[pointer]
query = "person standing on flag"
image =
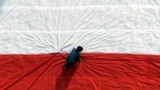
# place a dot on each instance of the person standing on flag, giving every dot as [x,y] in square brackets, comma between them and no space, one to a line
[73,57]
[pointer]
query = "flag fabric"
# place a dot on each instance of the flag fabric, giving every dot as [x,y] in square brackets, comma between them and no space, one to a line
[120,41]
[95,72]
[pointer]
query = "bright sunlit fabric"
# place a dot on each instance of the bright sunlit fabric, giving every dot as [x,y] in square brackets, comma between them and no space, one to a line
[120,40]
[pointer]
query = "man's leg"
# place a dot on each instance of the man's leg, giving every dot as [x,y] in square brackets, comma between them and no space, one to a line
[67,66]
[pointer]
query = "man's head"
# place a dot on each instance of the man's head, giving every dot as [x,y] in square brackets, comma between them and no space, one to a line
[79,49]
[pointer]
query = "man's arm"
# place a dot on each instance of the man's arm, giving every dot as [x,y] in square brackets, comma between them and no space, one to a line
[78,59]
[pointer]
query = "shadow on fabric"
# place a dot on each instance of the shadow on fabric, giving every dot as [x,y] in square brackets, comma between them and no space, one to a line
[1,4]
[65,78]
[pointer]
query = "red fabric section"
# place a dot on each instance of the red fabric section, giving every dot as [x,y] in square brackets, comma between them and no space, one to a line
[95,72]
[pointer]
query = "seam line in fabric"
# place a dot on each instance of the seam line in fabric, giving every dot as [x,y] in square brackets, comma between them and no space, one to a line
[82,7]
[39,31]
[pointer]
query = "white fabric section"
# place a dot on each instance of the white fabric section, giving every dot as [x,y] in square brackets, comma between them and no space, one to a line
[46,26]
[113,41]
[80,19]
[93,41]
[78,2]
[27,42]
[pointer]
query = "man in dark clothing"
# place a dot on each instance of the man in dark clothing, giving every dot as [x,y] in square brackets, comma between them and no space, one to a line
[73,57]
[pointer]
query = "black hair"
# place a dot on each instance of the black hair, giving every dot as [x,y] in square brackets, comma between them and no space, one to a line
[79,48]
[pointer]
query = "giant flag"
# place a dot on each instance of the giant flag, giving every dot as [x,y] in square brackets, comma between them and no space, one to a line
[121,41]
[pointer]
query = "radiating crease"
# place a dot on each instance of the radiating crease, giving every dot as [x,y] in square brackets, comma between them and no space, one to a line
[26,74]
[42,72]
[85,6]
[6,14]
[83,17]
[66,40]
